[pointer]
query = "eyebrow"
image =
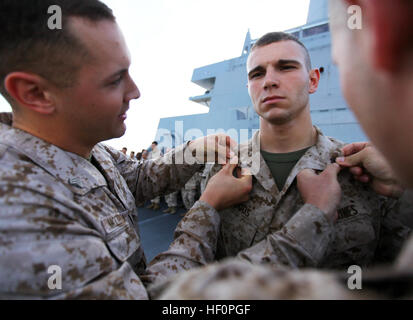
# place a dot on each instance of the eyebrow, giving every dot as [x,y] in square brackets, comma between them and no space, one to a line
[258,68]
[280,62]
[288,61]
[118,73]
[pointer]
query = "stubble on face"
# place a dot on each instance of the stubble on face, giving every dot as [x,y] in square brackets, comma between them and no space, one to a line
[94,105]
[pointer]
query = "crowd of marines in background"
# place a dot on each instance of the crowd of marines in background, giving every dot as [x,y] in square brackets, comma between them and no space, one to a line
[188,195]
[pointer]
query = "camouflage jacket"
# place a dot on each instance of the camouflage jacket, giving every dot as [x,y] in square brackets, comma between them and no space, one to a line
[276,227]
[68,226]
[239,279]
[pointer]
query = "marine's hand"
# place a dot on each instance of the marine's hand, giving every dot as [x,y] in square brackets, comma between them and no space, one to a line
[218,148]
[369,166]
[321,190]
[224,190]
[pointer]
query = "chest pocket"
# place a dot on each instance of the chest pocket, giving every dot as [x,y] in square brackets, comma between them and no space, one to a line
[237,234]
[120,235]
[355,242]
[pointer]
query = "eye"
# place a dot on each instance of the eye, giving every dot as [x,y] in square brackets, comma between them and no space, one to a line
[255,75]
[116,82]
[287,67]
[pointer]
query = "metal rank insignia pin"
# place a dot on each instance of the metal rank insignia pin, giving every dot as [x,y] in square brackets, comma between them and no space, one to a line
[75,182]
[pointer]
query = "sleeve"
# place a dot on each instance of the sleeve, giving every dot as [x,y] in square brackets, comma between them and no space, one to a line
[156,177]
[48,253]
[303,241]
[194,244]
[396,226]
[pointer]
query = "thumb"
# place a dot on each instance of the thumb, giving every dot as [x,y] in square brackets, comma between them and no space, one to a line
[306,173]
[332,169]
[246,177]
[245,174]
[229,167]
[351,161]
[354,147]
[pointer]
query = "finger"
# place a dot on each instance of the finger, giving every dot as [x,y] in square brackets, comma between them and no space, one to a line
[352,160]
[354,148]
[233,147]
[222,152]
[356,171]
[226,143]
[363,178]
[222,148]
[388,190]
[221,159]
[234,159]
[220,139]
[228,146]
[210,149]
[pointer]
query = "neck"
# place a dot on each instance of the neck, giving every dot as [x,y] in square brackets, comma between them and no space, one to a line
[294,135]
[54,134]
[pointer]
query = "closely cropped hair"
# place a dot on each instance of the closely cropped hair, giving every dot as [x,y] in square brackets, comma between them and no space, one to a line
[273,37]
[28,45]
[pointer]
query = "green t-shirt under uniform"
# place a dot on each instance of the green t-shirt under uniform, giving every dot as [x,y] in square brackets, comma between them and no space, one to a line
[281,164]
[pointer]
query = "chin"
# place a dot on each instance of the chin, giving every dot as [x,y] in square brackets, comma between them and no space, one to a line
[121,130]
[120,133]
[114,134]
[279,119]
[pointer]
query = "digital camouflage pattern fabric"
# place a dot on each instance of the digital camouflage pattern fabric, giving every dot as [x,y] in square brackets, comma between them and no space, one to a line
[276,227]
[59,209]
[239,279]
[190,191]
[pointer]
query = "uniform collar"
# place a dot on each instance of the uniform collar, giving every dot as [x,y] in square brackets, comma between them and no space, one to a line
[74,171]
[317,158]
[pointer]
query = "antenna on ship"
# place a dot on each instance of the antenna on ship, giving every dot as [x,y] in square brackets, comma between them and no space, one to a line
[317,11]
[247,44]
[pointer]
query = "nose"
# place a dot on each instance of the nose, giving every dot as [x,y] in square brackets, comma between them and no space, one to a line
[132,91]
[271,80]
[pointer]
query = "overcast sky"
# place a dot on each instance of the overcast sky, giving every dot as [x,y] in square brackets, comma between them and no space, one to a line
[168,39]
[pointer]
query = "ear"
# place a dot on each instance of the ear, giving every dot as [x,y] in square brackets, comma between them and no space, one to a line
[30,91]
[314,80]
[388,29]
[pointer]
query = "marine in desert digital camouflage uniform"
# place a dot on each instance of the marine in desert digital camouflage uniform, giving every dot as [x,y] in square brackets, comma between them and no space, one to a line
[61,209]
[68,222]
[172,202]
[190,191]
[275,226]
